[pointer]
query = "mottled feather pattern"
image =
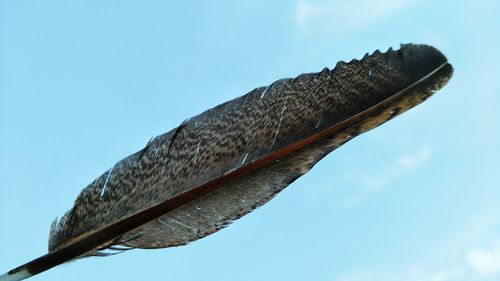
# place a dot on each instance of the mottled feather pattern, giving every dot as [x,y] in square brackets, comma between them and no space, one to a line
[353,97]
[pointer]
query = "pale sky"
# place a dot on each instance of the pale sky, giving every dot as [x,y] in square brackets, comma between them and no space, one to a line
[85,83]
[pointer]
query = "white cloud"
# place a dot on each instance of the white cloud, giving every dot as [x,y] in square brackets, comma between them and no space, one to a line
[401,165]
[352,201]
[485,262]
[457,258]
[345,15]
[416,159]
[446,274]
[404,163]
[411,274]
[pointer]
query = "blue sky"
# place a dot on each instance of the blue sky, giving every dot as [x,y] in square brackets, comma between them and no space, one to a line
[85,83]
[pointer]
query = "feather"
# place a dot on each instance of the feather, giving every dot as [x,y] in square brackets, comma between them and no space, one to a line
[220,165]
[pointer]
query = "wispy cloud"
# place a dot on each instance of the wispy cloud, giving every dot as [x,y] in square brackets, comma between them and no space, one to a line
[446,274]
[466,261]
[345,15]
[411,274]
[485,262]
[419,157]
[404,163]
[401,165]
[457,259]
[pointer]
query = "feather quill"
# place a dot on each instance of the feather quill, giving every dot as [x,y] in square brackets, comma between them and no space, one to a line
[220,165]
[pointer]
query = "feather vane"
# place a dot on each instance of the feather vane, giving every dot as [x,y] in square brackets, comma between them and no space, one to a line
[220,165]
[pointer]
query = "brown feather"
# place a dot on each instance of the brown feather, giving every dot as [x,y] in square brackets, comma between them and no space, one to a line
[222,164]
[237,133]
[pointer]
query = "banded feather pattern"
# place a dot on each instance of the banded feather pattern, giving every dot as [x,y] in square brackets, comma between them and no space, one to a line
[223,163]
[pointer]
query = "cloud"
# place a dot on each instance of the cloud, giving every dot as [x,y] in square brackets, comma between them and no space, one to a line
[441,275]
[352,201]
[345,15]
[401,165]
[404,163]
[485,262]
[411,274]
[447,274]
[457,258]
[416,159]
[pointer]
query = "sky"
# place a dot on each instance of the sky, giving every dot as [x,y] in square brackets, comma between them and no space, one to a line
[85,83]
